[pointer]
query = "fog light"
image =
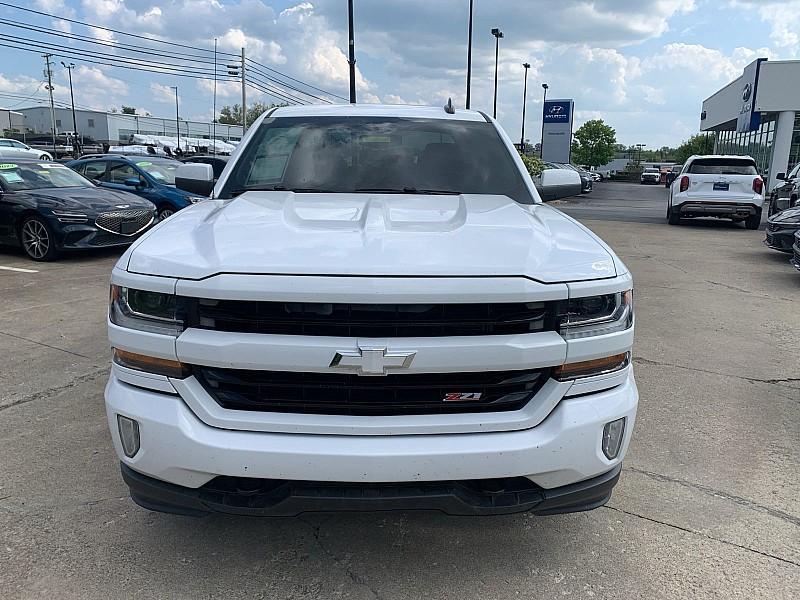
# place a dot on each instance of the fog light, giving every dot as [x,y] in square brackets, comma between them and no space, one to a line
[613,433]
[129,434]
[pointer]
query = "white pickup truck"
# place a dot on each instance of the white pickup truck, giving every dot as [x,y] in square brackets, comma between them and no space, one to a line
[374,311]
[726,187]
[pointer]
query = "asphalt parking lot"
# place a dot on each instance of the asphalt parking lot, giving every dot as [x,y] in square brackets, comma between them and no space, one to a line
[708,504]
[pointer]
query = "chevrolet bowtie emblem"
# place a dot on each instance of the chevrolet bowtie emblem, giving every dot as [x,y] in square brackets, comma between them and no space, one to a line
[372,360]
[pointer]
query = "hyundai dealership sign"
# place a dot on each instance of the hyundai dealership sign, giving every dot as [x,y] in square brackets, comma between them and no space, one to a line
[748,119]
[557,131]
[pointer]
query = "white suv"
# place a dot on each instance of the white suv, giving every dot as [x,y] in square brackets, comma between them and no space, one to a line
[374,311]
[727,187]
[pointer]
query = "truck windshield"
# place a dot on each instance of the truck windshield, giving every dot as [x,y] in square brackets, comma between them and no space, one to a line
[723,166]
[377,154]
[15,177]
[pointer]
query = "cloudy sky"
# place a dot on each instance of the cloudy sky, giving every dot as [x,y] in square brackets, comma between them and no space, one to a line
[643,67]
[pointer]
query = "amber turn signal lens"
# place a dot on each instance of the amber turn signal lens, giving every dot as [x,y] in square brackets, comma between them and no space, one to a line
[151,364]
[588,368]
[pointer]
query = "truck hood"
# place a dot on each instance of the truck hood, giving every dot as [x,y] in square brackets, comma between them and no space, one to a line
[374,235]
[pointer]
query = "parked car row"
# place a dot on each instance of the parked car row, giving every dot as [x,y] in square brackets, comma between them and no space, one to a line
[730,187]
[99,200]
[783,226]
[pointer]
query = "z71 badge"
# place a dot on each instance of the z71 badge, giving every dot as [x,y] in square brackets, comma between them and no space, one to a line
[461,397]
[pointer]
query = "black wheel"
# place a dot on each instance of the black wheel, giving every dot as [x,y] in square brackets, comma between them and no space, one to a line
[673,218]
[753,221]
[164,212]
[37,239]
[44,157]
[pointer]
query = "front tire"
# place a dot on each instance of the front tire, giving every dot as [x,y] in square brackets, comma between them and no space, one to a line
[37,239]
[45,157]
[165,212]
[753,221]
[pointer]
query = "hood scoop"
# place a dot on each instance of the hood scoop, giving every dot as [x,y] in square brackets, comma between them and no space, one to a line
[375,214]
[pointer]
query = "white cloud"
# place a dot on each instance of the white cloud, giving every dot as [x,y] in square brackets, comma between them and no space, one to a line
[163,94]
[783,18]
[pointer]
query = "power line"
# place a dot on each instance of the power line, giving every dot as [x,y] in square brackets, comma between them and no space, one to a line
[117,45]
[56,49]
[133,35]
[272,93]
[272,87]
[295,80]
[69,54]
[287,85]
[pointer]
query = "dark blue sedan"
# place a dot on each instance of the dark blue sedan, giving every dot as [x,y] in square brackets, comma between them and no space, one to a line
[150,177]
[46,207]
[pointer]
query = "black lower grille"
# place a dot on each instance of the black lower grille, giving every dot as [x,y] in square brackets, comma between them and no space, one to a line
[345,394]
[372,320]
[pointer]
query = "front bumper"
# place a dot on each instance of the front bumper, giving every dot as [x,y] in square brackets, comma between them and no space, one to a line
[287,498]
[178,448]
[781,240]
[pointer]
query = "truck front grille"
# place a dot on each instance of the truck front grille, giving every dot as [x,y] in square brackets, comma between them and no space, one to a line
[373,320]
[345,394]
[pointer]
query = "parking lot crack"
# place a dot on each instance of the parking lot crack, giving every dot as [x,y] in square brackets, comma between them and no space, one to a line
[352,575]
[656,363]
[778,514]
[84,378]
[701,534]
[19,337]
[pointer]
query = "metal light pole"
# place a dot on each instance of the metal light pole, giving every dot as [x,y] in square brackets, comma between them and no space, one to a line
[497,35]
[214,117]
[177,117]
[469,54]
[75,145]
[524,102]
[352,50]
[544,101]
[640,146]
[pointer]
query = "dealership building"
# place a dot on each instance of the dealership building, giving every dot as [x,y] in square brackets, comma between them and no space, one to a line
[114,128]
[758,114]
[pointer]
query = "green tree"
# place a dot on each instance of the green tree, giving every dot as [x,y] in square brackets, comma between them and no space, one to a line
[594,144]
[532,163]
[128,110]
[232,115]
[702,143]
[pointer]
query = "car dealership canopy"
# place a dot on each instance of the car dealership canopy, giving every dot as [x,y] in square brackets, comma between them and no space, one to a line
[758,114]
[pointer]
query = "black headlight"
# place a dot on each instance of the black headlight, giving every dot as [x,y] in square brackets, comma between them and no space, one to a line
[596,315]
[145,310]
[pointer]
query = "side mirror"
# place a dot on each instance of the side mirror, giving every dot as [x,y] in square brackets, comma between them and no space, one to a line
[781,176]
[197,178]
[132,182]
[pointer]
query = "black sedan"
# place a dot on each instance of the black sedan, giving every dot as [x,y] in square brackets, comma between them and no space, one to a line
[781,228]
[46,207]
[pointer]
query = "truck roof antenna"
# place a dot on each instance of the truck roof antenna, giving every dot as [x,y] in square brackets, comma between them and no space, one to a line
[449,108]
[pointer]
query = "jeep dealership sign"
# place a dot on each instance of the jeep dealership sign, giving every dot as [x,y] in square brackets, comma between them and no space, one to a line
[557,130]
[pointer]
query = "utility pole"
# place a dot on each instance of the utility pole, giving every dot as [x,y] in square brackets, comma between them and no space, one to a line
[177,117]
[76,151]
[469,53]
[497,35]
[52,109]
[352,50]
[524,102]
[244,97]
[214,117]
[236,71]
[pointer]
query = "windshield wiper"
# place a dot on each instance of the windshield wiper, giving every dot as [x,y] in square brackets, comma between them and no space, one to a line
[407,190]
